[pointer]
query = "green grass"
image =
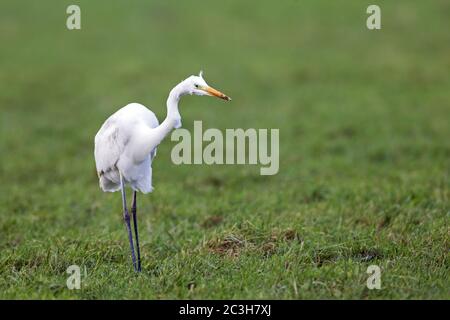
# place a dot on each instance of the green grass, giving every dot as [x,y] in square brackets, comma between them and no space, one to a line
[364,149]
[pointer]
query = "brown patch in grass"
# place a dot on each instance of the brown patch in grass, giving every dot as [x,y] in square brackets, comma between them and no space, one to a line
[291,235]
[212,221]
[367,255]
[285,235]
[213,181]
[322,258]
[230,246]
[233,245]
[269,248]
[384,223]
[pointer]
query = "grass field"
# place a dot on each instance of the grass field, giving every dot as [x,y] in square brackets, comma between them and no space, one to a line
[364,149]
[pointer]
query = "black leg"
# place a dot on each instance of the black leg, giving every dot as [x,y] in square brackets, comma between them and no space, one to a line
[126,217]
[136,233]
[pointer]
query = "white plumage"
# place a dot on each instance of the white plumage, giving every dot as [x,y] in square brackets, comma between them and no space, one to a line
[115,145]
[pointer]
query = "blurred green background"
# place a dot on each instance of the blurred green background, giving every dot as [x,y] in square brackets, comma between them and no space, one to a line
[364,149]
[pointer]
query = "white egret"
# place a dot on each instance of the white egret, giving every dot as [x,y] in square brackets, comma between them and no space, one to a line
[125,147]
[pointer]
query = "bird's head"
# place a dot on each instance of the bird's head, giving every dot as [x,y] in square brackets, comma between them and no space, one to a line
[197,85]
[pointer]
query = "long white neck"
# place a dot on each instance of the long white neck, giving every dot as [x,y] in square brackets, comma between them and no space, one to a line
[173,117]
[152,138]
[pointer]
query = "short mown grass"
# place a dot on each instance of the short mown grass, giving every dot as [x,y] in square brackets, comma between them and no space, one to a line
[364,150]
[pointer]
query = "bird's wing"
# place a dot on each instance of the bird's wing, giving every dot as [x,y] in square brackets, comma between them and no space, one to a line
[113,137]
[109,145]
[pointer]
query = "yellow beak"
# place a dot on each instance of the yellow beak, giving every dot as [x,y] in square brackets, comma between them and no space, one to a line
[216,93]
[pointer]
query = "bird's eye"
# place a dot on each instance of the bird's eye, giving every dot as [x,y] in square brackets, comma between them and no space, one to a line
[196,85]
